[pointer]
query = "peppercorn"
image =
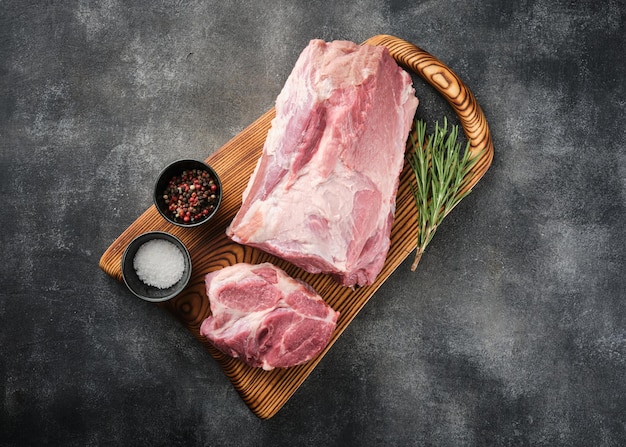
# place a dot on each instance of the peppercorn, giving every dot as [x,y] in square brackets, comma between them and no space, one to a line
[191,196]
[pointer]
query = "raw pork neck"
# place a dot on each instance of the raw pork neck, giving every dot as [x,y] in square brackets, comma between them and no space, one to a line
[323,193]
[266,318]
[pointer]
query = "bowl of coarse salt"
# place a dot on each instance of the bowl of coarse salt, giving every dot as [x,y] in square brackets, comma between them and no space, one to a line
[156,266]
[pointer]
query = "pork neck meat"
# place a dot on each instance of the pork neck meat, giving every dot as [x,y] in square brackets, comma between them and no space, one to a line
[323,193]
[265,317]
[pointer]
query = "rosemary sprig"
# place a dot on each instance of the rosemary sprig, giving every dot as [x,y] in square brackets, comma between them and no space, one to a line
[440,170]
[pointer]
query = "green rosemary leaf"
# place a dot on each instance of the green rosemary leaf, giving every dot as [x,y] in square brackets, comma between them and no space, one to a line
[441,170]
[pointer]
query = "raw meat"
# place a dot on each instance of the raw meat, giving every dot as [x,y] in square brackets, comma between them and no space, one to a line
[265,317]
[323,193]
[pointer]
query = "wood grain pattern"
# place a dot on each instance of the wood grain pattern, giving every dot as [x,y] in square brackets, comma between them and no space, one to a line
[265,392]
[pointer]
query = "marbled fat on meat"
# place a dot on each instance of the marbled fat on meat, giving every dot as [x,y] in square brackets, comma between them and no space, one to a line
[265,317]
[323,193]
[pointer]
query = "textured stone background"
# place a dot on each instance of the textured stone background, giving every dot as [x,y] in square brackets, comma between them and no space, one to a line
[511,332]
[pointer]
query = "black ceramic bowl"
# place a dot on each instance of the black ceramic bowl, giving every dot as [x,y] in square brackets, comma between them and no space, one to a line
[143,290]
[185,174]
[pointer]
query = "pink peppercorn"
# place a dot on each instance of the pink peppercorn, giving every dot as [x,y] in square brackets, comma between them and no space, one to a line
[191,196]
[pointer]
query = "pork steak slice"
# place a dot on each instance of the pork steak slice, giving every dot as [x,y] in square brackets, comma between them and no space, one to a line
[265,317]
[323,193]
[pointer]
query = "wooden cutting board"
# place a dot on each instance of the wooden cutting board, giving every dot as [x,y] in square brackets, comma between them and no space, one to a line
[265,392]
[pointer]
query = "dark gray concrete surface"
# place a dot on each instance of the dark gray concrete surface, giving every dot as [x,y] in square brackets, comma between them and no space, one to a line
[511,332]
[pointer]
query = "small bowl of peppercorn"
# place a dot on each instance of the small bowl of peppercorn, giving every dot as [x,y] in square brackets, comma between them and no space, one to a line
[188,193]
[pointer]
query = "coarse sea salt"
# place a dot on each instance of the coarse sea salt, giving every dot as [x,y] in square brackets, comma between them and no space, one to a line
[159,263]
